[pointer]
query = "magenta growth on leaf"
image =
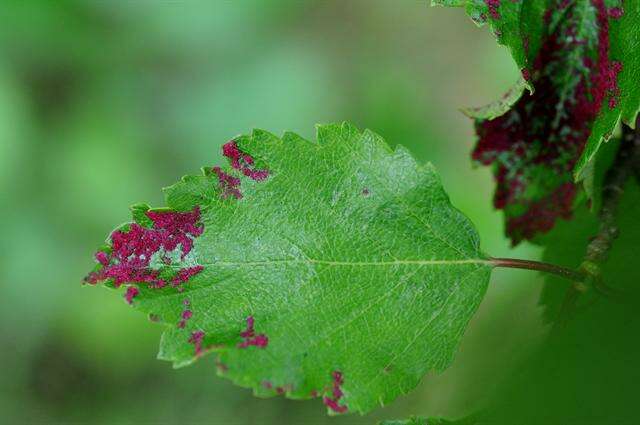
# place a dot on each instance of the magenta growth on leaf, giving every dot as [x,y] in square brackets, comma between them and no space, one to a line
[196,339]
[243,162]
[616,12]
[493,6]
[186,315]
[132,249]
[536,144]
[131,293]
[250,338]
[102,258]
[336,394]
[185,274]
[229,185]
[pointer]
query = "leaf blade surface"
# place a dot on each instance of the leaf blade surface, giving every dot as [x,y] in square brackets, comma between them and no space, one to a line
[342,272]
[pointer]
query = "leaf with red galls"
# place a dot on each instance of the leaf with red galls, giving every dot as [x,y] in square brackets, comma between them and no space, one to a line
[575,60]
[295,249]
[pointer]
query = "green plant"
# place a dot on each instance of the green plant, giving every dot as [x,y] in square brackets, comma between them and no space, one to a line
[339,269]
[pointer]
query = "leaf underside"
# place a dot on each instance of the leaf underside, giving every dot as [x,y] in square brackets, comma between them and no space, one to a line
[335,269]
[580,59]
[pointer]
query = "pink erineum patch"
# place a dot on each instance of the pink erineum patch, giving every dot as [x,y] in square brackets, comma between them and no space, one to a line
[336,394]
[131,293]
[229,185]
[132,249]
[493,6]
[186,315]
[535,146]
[185,274]
[196,339]
[243,162]
[250,338]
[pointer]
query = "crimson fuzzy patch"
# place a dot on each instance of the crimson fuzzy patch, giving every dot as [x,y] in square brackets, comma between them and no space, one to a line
[535,145]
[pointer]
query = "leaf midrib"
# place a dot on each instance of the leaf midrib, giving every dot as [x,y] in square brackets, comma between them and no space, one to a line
[337,263]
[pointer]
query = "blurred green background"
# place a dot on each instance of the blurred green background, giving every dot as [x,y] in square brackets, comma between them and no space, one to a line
[104,102]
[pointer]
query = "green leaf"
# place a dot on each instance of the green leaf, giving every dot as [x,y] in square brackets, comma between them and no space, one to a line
[336,269]
[475,419]
[595,171]
[624,33]
[580,57]
[498,107]
[412,421]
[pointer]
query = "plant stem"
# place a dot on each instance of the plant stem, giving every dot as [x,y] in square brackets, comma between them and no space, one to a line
[626,164]
[564,272]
